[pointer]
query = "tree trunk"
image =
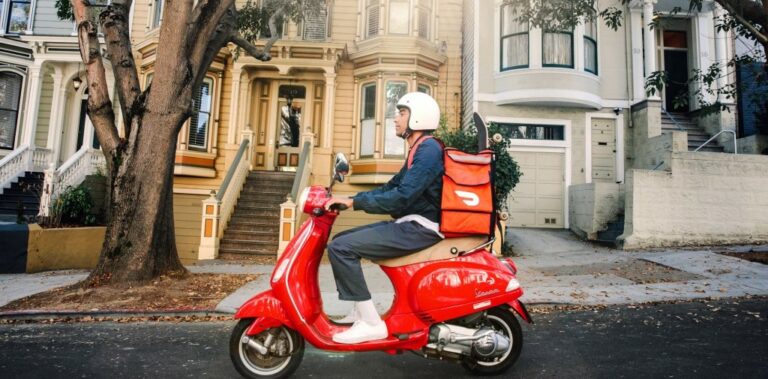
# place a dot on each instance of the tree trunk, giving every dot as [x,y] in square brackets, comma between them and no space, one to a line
[140,240]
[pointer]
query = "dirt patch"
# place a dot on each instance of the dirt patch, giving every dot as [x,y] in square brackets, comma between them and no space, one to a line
[638,271]
[753,256]
[195,292]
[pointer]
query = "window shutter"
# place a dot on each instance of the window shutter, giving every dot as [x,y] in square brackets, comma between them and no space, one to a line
[315,26]
[373,18]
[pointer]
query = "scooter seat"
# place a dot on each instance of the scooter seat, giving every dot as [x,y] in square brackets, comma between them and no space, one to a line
[436,252]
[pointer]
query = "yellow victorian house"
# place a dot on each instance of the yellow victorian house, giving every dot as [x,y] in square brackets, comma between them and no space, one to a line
[264,130]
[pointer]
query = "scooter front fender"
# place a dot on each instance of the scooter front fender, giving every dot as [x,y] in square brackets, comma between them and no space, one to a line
[266,309]
[520,309]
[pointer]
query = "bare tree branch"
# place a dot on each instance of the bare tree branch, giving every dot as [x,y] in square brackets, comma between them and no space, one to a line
[212,23]
[99,105]
[251,49]
[116,29]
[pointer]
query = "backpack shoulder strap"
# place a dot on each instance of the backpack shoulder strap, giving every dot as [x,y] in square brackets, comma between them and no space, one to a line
[412,152]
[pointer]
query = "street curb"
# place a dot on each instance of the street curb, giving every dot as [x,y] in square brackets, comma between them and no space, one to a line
[42,315]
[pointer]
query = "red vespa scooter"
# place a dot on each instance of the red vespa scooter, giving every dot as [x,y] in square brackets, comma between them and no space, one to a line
[452,301]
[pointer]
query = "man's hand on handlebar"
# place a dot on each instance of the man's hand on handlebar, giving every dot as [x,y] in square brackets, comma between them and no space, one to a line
[338,203]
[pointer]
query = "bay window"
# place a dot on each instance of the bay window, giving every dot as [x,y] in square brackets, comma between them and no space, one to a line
[157,17]
[199,125]
[590,46]
[399,16]
[371,18]
[557,49]
[514,40]
[377,137]
[394,146]
[425,15]
[368,120]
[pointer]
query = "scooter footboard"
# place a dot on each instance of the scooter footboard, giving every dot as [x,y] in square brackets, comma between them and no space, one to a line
[266,309]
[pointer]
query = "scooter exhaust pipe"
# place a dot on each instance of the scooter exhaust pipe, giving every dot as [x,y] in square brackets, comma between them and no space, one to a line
[254,345]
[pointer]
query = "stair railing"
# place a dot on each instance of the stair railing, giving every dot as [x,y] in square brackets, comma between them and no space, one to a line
[735,148]
[86,161]
[664,109]
[218,208]
[23,159]
[289,215]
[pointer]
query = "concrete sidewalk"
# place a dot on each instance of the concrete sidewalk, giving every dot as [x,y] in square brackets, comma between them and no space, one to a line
[555,268]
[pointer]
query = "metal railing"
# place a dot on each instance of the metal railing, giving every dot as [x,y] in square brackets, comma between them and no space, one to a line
[735,148]
[663,109]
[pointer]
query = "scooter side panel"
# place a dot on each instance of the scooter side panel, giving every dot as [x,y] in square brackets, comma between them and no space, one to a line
[451,289]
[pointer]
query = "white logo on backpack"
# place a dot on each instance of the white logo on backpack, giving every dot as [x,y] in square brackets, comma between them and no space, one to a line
[469,198]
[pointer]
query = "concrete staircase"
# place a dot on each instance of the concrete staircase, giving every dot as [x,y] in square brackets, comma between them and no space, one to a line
[254,227]
[613,230]
[25,193]
[696,135]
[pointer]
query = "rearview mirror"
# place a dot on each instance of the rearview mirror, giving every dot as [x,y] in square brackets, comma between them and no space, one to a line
[340,167]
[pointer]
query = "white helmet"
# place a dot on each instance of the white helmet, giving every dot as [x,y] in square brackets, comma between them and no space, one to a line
[425,113]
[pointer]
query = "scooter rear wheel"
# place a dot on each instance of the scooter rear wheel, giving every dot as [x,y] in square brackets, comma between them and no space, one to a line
[283,358]
[503,321]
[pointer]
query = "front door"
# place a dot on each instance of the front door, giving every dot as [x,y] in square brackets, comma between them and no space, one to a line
[288,126]
[673,54]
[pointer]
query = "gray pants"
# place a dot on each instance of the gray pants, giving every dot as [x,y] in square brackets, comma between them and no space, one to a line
[381,240]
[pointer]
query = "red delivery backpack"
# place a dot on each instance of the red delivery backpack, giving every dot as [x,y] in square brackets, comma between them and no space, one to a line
[467,206]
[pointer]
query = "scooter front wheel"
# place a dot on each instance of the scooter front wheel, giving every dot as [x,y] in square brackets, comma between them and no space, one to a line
[284,351]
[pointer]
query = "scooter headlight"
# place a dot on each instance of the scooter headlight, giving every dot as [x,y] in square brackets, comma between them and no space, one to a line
[303,196]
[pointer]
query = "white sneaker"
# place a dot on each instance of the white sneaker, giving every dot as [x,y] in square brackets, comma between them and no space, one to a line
[349,319]
[362,331]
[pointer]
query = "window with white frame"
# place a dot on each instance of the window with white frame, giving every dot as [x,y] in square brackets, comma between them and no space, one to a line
[371,18]
[514,40]
[10,96]
[532,131]
[423,88]
[590,45]
[394,146]
[399,16]
[199,124]
[17,16]
[557,49]
[425,15]
[367,120]
[316,27]
[157,18]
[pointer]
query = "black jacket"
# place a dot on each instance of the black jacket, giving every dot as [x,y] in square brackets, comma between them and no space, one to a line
[412,191]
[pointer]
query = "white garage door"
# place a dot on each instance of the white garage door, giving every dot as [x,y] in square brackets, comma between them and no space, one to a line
[537,201]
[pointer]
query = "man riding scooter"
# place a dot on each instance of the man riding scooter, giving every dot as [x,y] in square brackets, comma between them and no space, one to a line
[412,198]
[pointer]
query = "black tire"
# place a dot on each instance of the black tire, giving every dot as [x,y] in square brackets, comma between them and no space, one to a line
[251,364]
[502,320]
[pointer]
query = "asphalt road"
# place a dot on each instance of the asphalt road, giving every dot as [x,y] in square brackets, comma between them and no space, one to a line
[690,340]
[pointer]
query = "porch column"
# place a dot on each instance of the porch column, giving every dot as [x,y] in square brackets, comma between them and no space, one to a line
[721,53]
[650,41]
[57,114]
[234,117]
[33,104]
[638,79]
[328,110]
